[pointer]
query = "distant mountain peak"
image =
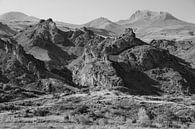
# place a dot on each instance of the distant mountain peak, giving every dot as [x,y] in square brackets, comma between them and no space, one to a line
[15,13]
[106,24]
[147,14]
[17,16]
[101,20]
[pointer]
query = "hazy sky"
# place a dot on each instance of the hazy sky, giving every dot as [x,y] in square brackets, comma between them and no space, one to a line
[82,11]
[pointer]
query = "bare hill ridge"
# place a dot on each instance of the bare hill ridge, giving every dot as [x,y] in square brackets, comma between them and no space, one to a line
[148,25]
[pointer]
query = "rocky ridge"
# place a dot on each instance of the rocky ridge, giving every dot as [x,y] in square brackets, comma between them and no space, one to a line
[83,60]
[132,64]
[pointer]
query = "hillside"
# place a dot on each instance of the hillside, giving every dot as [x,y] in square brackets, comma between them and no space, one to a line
[17,20]
[17,16]
[6,30]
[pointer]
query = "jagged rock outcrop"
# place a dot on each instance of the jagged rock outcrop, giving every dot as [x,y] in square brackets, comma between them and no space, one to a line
[45,42]
[119,44]
[134,65]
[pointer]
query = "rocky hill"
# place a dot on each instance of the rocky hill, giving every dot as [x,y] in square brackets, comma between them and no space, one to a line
[129,64]
[43,41]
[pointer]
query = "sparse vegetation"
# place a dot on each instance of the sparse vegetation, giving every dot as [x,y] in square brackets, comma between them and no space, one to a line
[91,78]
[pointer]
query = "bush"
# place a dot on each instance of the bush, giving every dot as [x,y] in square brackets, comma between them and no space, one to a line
[6,87]
[143,118]
[41,112]
[166,119]
[8,107]
[193,97]
[66,117]
[81,110]
[81,119]
[102,122]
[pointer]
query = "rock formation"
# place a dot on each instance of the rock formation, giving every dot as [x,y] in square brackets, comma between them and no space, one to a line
[129,63]
[85,59]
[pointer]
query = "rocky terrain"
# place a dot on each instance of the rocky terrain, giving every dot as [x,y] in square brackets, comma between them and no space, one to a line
[99,75]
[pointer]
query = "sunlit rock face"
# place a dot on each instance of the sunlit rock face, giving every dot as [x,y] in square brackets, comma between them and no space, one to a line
[134,65]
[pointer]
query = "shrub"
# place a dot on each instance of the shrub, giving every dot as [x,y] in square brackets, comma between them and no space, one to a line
[81,110]
[9,107]
[166,119]
[66,118]
[102,122]
[193,97]
[81,119]
[6,87]
[143,118]
[41,112]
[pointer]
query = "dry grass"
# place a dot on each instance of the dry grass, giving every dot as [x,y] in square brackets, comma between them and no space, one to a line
[99,111]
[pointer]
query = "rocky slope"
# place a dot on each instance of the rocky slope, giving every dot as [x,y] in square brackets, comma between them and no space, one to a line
[6,30]
[129,64]
[24,76]
[43,41]
[182,49]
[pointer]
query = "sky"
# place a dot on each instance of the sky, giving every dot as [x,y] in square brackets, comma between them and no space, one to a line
[82,11]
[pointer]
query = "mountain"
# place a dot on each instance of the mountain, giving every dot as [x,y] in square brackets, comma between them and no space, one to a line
[17,16]
[92,61]
[17,20]
[148,25]
[158,25]
[104,23]
[149,17]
